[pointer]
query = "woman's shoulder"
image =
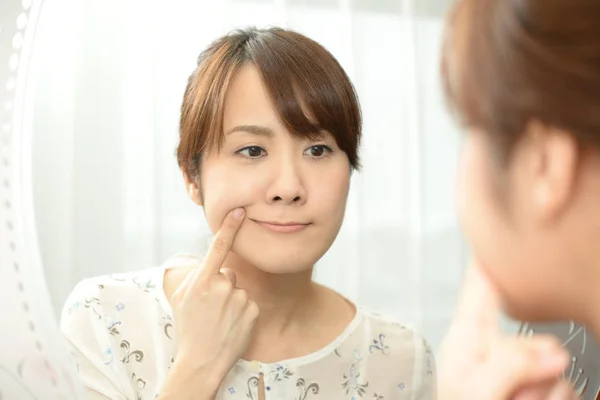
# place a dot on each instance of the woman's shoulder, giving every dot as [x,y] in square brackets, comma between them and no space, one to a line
[105,287]
[116,290]
[394,329]
[95,301]
[141,281]
[396,351]
[376,318]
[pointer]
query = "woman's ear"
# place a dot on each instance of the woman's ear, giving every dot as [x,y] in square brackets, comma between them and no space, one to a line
[555,158]
[191,185]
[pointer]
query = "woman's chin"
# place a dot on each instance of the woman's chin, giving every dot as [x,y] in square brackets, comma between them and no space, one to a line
[283,267]
[532,311]
[279,257]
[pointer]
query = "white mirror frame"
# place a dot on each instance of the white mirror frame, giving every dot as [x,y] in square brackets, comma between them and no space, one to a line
[33,362]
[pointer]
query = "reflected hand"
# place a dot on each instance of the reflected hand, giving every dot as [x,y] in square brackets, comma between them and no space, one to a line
[478,362]
[554,389]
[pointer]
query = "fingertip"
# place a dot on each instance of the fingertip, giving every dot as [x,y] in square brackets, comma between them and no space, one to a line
[253,308]
[238,213]
[479,302]
[555,360]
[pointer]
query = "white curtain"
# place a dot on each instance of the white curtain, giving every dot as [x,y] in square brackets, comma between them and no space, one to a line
[108,193]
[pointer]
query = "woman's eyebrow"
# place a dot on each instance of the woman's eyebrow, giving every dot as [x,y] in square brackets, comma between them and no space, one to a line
[253,129]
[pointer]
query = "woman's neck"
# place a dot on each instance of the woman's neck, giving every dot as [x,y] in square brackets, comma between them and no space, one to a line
[285,300]
[593,321]
[297,316]
[589,301]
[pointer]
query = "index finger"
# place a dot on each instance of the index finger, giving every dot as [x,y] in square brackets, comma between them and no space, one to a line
[221,245]
[479,305]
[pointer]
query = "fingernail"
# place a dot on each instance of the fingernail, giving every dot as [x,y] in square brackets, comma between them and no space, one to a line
[558,360]
[238,213]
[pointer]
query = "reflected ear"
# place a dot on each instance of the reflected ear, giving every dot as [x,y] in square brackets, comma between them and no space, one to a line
[556,170]
[193,190]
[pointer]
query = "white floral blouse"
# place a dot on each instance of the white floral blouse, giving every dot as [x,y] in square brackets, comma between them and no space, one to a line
[119,329]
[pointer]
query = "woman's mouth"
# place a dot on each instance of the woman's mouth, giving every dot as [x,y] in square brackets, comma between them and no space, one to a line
[282,227]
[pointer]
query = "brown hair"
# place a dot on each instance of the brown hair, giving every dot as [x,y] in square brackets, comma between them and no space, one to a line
[309,89]
[513,61]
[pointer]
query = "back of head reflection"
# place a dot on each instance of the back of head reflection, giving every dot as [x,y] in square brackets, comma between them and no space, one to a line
[523,76]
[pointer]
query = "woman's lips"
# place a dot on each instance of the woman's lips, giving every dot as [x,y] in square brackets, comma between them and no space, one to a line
[282,227]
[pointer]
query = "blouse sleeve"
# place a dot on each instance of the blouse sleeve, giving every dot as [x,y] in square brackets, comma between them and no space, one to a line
[87,333]
[424,373]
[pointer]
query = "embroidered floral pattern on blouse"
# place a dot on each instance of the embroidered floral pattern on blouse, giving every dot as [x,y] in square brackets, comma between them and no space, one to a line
[305,389]
[352,382]
[166,323]
[137,354]
[378,345]
[123,317]
[109,356]
[252,383]
[281,373]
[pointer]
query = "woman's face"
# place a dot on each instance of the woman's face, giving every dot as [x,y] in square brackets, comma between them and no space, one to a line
[529,222]
[294,190]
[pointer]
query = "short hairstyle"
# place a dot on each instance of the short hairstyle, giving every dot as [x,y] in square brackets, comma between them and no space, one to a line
[299,74]
[508,62]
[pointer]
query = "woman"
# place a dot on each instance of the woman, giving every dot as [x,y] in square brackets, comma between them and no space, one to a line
[269,134]
[524,77]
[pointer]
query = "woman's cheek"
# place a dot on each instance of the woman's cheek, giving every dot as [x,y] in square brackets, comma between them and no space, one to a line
[223,194]
[462,188]
[473,199]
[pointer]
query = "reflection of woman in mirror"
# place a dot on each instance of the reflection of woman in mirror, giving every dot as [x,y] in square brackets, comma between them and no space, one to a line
[269,134]
[524,76]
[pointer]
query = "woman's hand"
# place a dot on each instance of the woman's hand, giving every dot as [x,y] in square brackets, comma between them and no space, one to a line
[213,320]
[478,362]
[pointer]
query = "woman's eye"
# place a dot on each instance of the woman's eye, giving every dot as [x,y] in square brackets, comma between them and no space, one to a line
[252,151]
[318,151]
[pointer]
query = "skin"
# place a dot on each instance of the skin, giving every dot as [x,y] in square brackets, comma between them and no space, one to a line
[533,226]
[538,241]
[533,223]
[205,356]
[290,181]
[256,263]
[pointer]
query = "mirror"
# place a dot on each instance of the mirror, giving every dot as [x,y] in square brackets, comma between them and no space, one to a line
[89,103]
[107,100]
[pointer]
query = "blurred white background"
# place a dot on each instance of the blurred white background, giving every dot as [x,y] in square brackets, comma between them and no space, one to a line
[109,77]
